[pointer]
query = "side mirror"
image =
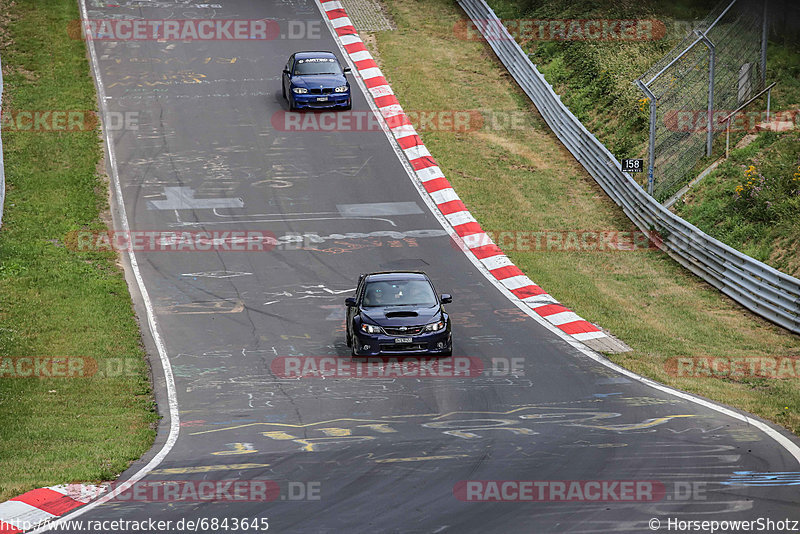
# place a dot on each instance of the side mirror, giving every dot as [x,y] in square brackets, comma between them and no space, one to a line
[446,298]
[346,70]
[350,302]
[286,71]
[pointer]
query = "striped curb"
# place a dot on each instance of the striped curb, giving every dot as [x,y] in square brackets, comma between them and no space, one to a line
[471,236]
[43,505]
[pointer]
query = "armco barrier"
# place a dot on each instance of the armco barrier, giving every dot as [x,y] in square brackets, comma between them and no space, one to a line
[756,286]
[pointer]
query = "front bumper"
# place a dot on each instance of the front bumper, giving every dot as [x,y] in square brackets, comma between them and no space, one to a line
[333,100]
[380,344]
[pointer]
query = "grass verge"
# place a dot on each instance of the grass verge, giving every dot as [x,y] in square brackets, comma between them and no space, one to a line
[55,302]
[523,179]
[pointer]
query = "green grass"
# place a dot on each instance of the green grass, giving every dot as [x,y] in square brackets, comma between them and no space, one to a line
[754,210]
[525,180]
[55,302]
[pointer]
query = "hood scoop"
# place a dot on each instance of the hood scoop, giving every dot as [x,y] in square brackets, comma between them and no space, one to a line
[392,314]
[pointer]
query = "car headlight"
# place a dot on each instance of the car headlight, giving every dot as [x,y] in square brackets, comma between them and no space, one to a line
[434,327]
[341,89]
[370,328]
[299,90]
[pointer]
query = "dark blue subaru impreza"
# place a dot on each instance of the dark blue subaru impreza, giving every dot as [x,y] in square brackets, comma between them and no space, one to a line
[315,80]
[398,312]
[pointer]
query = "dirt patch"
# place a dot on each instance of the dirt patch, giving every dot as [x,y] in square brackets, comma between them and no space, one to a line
[785,254]
[5,21]
[372,45]
[518,149]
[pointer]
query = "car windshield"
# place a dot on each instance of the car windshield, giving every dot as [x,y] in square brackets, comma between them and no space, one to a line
[316,65]
[399,293]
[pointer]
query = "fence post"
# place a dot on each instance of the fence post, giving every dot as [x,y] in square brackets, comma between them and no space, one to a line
[764,36]
[727,137]
[651,156]
[711,61]
[769,98]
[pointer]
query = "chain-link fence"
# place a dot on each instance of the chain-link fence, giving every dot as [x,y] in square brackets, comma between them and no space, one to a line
[717,67]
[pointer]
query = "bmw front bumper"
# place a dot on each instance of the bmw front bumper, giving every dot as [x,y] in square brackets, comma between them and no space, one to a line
[331,100]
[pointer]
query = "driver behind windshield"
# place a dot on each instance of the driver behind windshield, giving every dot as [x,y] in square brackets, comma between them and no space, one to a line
[311,66]
[405,293]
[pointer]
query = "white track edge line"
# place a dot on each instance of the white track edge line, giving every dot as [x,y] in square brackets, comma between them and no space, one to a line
[172,399]
[787,444]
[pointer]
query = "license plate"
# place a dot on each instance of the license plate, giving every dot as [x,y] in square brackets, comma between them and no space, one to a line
[322,99]
[402,340]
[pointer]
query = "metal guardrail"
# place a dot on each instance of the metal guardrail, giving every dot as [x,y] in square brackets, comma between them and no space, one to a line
[2,169]
[756,286]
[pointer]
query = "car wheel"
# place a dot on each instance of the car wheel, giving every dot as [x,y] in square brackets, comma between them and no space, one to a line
[349,106]
[353,344]
[283,90]
[448,352]
[349,340]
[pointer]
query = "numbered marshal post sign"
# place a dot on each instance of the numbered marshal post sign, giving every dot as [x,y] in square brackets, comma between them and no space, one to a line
[632,165]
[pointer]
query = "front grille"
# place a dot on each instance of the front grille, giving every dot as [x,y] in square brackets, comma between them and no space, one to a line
[409,330]
[323,91]
[403,347]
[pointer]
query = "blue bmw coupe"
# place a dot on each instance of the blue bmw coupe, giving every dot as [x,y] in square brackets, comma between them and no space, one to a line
[315,80]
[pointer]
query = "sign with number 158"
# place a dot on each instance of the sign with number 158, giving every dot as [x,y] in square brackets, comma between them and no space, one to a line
[632,165]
